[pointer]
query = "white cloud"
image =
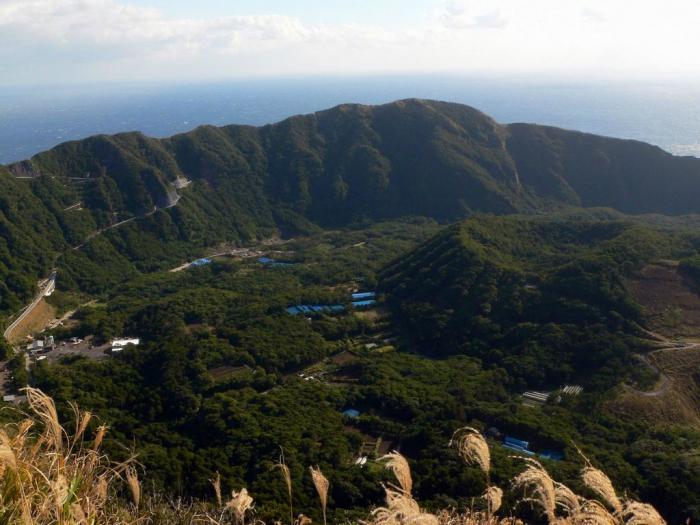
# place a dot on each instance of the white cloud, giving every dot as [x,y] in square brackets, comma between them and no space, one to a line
[54,40]
[463,15]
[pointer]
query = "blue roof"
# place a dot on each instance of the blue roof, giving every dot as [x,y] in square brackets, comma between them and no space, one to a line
[519,449]
[201,262]
[516,442]
[364,295]
[362,304]
[315,308]
[351,412]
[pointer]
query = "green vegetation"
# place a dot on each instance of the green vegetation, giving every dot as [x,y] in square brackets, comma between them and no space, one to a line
[468,316]
[542,298]
[58,474]
[349,165]
[216,386]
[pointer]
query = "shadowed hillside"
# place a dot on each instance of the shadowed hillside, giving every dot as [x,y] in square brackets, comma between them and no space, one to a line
[128,203]
[543,298]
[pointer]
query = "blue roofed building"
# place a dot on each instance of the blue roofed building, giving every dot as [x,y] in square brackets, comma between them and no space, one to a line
[364,304]
[518,445]
[363,295]
[201,262]
[351,413]
[311,309]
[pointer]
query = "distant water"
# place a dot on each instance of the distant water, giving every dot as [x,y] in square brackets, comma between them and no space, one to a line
[35,119]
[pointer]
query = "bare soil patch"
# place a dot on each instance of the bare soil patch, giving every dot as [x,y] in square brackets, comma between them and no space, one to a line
[671,308]
[669,302]
[677,400]
[35,322]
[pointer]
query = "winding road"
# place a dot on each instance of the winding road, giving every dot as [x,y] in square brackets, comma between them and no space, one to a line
[664,381]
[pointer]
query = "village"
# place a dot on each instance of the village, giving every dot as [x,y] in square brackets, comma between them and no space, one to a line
[339,370]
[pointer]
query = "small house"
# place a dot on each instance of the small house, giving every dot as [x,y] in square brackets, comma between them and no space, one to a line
[119,344]
[518,445]
[35,346]
[359,296]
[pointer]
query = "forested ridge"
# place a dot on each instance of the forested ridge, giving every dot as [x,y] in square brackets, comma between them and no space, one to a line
[492,276]
[333,168]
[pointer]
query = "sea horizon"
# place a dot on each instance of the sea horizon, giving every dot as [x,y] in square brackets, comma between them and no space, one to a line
[34,119]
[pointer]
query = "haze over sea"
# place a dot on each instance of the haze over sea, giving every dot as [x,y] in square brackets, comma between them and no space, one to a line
[37,118]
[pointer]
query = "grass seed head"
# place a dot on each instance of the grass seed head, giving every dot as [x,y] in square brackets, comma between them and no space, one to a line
[132,480]
[566,500]
[216,483]
[472,447]
[592,512]
[44,408]
[636,513]
[321,484]
[402,471]
[599,483]
[494,498]
[538,487]
[240,503]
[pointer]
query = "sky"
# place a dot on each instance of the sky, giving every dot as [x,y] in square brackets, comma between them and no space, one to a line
[79,41]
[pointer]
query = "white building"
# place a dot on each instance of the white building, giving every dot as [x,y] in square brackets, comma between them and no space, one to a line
[119,344]
[35,346]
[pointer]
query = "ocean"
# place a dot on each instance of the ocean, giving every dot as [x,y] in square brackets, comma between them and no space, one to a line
[37,118]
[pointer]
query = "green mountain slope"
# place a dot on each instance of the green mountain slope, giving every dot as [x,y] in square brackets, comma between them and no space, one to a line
[542,298]
[30,237]
[171,198]
[589,170]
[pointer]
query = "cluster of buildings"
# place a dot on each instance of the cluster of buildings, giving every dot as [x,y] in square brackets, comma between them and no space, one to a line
[534,398]
[523,447]
[201,262]
[359,300]
[364,299]
[40,346]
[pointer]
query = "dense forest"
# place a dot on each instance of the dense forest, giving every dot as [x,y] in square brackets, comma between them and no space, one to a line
[527,290]
[473,316]
[542,298]
[174,197]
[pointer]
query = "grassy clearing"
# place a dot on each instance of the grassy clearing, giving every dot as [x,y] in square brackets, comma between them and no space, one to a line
[35,322]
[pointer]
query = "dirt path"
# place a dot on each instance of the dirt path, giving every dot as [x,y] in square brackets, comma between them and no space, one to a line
[245,252]
[664,382]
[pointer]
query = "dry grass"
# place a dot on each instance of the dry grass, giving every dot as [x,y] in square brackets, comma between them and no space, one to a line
[50,477]
[240,503]
[472,447]
[402,471]
[599,483]
[321,484]
[538,488]
[35,322]
[676,402]
[287,476]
